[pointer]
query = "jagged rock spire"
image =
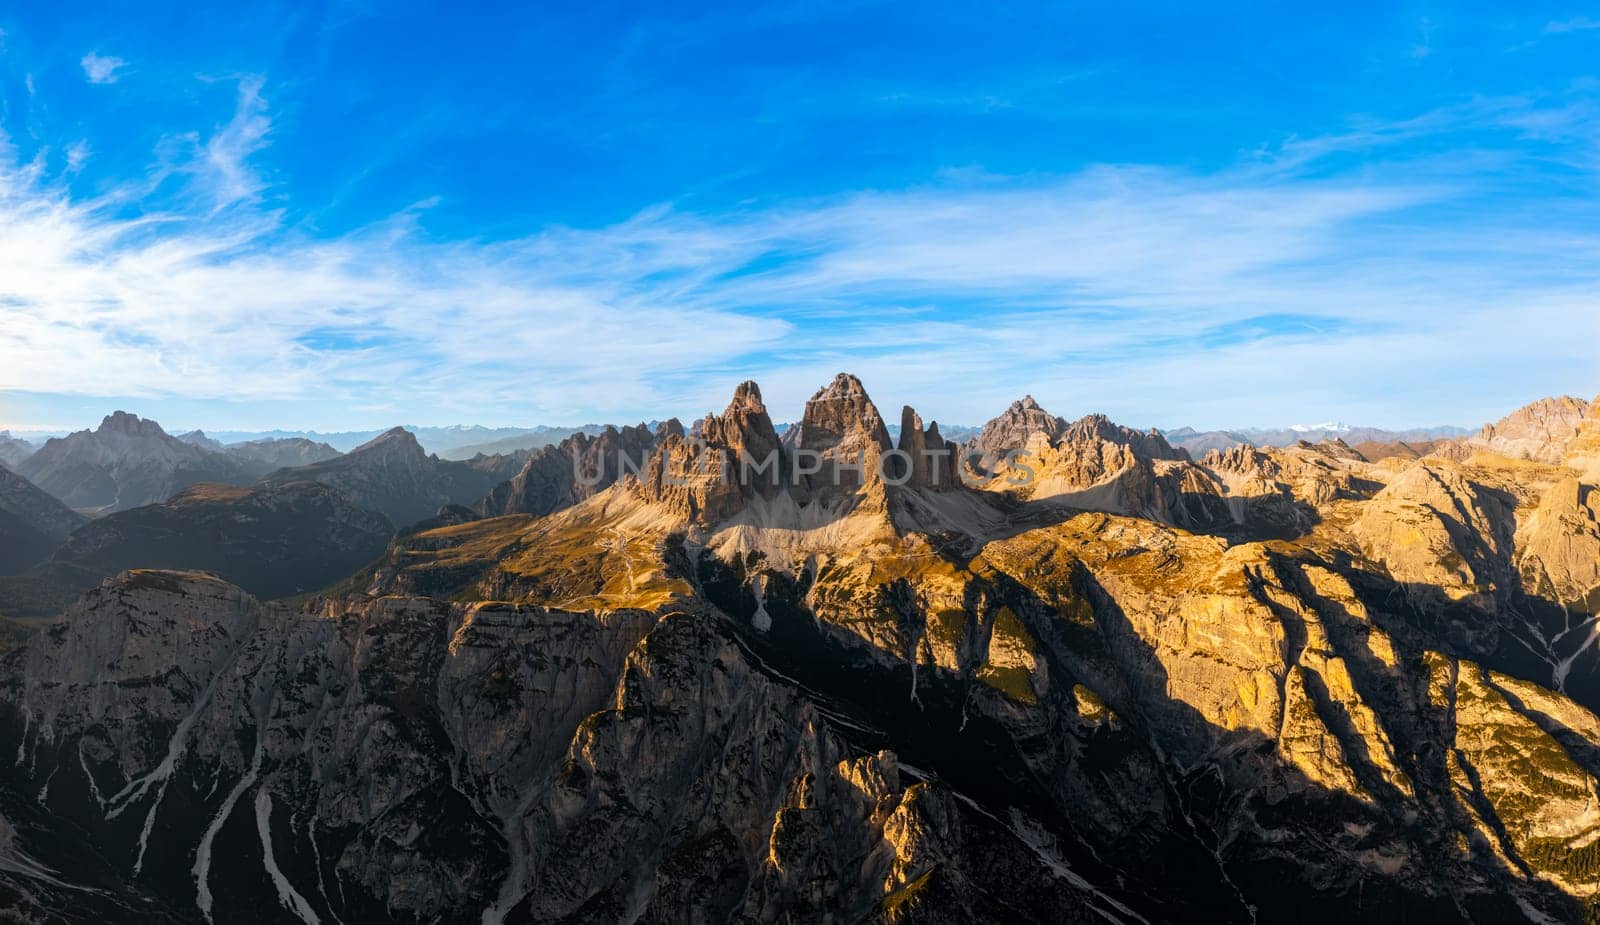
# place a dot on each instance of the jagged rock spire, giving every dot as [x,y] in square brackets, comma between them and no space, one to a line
[841,428]
[931,458]
[836,411]
[745,426]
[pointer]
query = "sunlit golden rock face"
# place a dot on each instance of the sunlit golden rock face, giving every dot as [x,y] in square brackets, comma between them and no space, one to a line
[1439,533]
[1319,666]
[1583,450]
[1154,689]
[1558,545]
[1539,432]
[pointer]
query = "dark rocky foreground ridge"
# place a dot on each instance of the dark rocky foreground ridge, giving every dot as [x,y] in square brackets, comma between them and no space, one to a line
[1257,686]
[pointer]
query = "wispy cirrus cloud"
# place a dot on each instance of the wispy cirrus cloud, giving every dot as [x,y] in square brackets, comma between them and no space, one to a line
[102,69]
[1281,281]
[1575,24]
[225,167]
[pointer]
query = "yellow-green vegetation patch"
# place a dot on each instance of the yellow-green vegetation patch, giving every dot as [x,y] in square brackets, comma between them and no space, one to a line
[1557,856]
[1090,705]
[1015,683]
[948,627]
[1013,658]
[897,901]
[569,566]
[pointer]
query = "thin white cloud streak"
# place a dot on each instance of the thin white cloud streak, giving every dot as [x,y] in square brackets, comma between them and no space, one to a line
[225,169]
[1103,290]
[102,69]
[1576,24]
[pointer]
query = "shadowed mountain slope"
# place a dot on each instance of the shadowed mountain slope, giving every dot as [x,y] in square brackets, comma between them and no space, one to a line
[392,475]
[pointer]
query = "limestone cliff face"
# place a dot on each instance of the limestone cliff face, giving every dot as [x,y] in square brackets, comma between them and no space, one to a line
[1440,534]
[745,428]
[842,427]
[1092,464]
[1539,431]
[1582,452]
[405,759]
[926,460]
[706,477]
[1558,545]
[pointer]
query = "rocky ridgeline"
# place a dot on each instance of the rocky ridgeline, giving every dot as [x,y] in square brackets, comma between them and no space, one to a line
[392,475]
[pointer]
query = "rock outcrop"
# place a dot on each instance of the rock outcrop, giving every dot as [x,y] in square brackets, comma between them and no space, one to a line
[927,460]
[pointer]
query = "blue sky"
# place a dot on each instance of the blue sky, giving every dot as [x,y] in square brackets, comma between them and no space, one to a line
[344,215]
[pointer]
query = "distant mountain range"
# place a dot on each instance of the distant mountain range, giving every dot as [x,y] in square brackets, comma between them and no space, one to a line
[531,439]
[129,462]
[1203,441]
[126,462]
[456,441]
[464,441]
[393,475]
[13,450]
[263,456]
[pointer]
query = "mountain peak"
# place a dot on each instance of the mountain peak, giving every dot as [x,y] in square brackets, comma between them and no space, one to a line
[744,425]
[198,438]
[1539,431]
[1022,421]
[839,409]
[747,394]
[396,438]
[844,385]
[123,422]
[1098,428]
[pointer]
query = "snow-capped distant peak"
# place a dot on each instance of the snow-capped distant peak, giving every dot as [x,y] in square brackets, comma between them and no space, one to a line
[1334,427]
